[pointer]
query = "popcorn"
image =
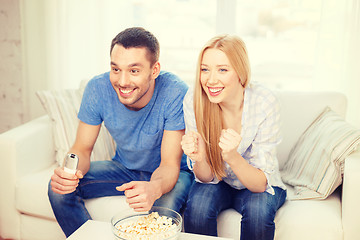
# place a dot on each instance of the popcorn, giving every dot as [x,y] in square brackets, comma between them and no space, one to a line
[149,227]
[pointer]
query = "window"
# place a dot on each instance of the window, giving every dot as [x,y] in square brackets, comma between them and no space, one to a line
[293,45]
[281,36]
[182,28]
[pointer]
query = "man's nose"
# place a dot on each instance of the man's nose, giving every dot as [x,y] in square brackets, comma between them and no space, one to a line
[123,79]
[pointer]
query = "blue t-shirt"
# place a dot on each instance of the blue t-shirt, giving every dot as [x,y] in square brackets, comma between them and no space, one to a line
[137,134]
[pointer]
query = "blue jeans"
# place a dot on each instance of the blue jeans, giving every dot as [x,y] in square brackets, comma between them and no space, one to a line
[258,210]
[100,181]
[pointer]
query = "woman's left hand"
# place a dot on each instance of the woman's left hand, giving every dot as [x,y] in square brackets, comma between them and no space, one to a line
[229,142]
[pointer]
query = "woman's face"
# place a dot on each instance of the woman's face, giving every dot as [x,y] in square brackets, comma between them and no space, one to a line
[218,78]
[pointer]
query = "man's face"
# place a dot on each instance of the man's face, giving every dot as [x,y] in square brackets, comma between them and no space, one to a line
[132,76]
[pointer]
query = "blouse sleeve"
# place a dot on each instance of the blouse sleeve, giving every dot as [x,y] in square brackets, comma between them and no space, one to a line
[190,125]
[263,149]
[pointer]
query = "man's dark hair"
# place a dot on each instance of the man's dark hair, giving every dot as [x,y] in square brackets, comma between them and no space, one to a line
[138,37]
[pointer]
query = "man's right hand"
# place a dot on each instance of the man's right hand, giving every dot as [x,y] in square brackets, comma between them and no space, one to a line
[63,182]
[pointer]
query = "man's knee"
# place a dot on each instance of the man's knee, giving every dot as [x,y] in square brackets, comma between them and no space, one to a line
[51,193]
[176,198]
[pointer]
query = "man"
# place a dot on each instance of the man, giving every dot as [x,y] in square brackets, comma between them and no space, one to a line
[142,109]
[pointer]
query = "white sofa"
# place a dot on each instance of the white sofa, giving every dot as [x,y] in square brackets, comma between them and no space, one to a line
[28,159]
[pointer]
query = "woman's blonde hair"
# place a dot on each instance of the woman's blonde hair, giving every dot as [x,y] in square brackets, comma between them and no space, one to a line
[208,115]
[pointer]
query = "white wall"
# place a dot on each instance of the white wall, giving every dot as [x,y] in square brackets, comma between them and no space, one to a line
[12,103]
[23,63]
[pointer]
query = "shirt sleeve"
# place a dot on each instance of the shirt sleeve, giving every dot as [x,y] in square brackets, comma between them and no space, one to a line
[174,109]
[190,123]
[89,111]
[263,151]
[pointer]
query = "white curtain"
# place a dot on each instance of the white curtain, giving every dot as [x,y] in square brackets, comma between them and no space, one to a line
[73,40]
[78,37]
[338,52]
[352,61]
[79,33]
[67,41]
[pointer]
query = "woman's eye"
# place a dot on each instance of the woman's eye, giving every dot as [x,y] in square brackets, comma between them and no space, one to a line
[223,70]
[204,69]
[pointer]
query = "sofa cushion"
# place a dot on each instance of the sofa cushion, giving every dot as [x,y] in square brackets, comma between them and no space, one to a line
[31,194]
[32,199]
[309,219]
[35,228]
[298,111]
[316,162]
[295,220]
[62,107]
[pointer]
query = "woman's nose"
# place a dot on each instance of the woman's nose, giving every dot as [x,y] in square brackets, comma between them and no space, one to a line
[212,78]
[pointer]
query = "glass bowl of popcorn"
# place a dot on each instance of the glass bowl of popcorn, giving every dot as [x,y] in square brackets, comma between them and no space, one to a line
[158,223]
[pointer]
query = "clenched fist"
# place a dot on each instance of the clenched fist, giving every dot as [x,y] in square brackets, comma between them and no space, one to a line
[194,146]
[229,142]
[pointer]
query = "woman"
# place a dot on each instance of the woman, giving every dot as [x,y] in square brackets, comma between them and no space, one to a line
[232,130]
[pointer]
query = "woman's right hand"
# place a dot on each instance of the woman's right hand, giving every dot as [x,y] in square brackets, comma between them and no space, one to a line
[194,146]
[63,182]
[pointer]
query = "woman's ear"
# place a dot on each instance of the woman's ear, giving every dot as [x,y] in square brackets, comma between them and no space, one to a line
[242,83]
[156,70]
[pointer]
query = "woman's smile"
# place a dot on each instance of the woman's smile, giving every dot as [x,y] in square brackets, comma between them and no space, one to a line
[215,91]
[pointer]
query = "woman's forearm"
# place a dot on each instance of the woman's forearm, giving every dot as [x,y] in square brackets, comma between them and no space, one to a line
[203,171]
[252,178]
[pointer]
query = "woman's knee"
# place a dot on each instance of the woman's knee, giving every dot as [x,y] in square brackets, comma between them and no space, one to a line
[198,215]
[263,205]
[205,201]
[259,213]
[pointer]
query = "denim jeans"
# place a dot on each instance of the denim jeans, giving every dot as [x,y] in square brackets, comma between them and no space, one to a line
[258,210]
[101,180]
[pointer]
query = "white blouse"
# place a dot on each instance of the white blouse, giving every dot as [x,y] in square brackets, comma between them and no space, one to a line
[260,134]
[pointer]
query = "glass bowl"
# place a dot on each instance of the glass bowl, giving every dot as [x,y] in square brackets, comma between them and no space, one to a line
[129,225]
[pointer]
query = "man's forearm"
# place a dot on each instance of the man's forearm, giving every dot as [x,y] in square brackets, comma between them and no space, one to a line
[84,160]
[164,179]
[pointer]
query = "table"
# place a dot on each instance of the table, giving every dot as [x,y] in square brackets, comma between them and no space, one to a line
[95,230]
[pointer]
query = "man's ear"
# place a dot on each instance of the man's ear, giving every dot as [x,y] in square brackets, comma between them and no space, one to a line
[156,70]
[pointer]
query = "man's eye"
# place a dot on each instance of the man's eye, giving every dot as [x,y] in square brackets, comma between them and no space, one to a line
[134,71]
[115,69]
[204,69]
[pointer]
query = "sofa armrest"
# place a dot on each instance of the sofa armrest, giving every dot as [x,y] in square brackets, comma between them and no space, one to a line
[351,197]
[25,149]
[30,146]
